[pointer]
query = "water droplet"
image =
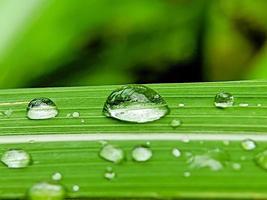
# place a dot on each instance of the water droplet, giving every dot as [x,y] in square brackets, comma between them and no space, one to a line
[75,188]
[236,166]
[16,158]
[243,105]
[82,120]
[248,144]
[112,153]
[176,152]
[135,103]
[243,158]
[109,174]
[57,176]
[142,153]
[261,159]
[181,105]
[224,100]
[46,191]
[75,114]
[8,112]
[185,139]
[213,159]
[175,123]
[226,142]
[187,174]
[68,115]
[41,108]
[259,105]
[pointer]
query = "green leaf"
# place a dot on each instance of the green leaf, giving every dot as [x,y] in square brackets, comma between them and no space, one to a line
[71,146]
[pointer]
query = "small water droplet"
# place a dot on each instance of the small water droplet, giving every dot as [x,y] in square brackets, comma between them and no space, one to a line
[75,188]
[82,120]
[112,153]
[16,158]
[135,103]
[142,153]
[46,191]
[243,105]
[224,100]
[41,108]
[175,123]
[226,142]
[75,114]
[68,115]
[109,174]
[187,174]
[236,166]
[57,176]
[213,159]
[185,139]
[181,105]
[261,159]
[8,112]
[248,144]
[176,152]
[243,158]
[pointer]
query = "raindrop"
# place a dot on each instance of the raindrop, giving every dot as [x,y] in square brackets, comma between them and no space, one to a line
[142,153]
[16,158]
[110,174]
[41,108]
[259,105]
[57,176]
[248,144]
[176,152]
[243,105]
[213,159]
[75,114]
[175,123]
[46,191]
[181,105]
[75,188]
[135,103]
[261,159]
[226,142]
[224,100]
[236,166]
[112,153]
[187,174]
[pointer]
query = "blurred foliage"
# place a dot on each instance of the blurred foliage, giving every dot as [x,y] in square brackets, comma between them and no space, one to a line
[61,43]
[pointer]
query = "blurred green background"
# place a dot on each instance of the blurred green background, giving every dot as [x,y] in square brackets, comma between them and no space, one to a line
[96,42]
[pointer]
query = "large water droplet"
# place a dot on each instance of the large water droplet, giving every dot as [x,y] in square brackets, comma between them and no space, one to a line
[261,159]
[248,144]
[213,159]
[142,153]
[135,103]
[112,153]
[16,158]
[224,100]
[41,108]
[46,191]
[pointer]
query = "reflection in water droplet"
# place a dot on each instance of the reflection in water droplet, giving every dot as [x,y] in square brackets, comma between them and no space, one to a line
[41,108]
[142,153]
[248,144]
[213,159]
[261,159]
[16,158]
[46,191]
[135,103]
[109,174]
[112,153]
[224,100]
[176,152]
[57,176]
[175,123]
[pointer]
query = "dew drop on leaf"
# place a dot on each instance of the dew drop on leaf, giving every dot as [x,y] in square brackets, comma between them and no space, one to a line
[248,144]
[42,108]
[112,153]
[109,174]
[176,152]
[75,188]
[175,123]
[135,103]
[57,176]
[75,114]
[16,158]
[224,100]
[142,153]
[261,159]
[46,191]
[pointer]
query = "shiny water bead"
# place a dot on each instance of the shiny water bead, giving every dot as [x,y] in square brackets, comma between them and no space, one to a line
[135,103]
[248,144]
[224,100]
[16,158]
[112,153]
[142,153]
[261,159]
[42,108]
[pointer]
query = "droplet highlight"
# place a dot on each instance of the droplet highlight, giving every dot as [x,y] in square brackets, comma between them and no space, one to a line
[16,158]
[41,108]
[135,103]
[224,100]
